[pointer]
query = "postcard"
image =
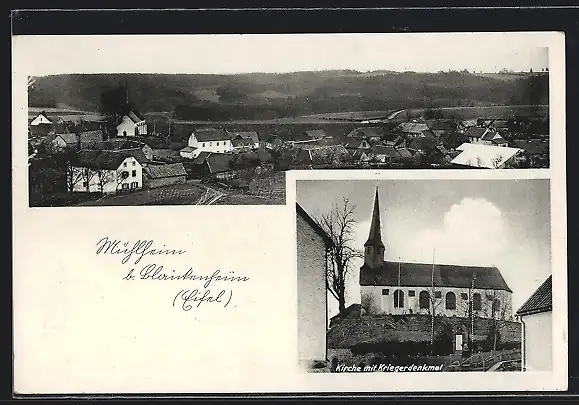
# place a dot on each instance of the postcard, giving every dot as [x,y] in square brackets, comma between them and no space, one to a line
[289,213]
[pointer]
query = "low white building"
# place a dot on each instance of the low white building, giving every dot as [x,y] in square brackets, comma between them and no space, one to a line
[207,140]
[41,119]
[537,340]
[107,171]
[486,156]
[132,124]
[398,288]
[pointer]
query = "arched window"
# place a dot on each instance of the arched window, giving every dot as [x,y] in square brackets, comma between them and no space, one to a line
[496,305]
[398,299]
[450,300]
[476,302]
[424,300]
[124,133]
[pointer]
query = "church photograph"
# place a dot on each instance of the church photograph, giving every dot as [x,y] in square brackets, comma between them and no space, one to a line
[422,275]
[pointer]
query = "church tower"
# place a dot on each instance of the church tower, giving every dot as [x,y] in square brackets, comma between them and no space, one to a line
[374,248]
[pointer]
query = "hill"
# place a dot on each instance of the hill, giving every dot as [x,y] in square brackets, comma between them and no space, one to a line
[270,95]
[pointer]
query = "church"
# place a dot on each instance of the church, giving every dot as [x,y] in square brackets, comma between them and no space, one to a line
[397,288]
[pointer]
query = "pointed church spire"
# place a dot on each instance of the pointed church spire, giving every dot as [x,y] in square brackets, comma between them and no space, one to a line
[375,239]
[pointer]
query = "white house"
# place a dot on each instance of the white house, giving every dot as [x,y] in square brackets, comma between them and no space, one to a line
[132,124]
[388,287]
[107,171]
[312,247]
[40,119]
[536,317]
[207,140]
[486,156]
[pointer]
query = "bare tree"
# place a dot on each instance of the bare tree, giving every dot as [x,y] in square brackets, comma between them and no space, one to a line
[339,224]
[104,177]
[497,161]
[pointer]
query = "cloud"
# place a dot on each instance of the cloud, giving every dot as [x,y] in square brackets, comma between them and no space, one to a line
[473,231]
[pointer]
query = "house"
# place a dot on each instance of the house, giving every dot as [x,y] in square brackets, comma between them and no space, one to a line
[240,144]
[413,129]
[393,287]
[41,119]
[250,137]
[219,165]
[374,134]
[486,156]
[537,341]
[119,144]
[207,140]
[533,148]
[63,141]
[353,143]
[313,245]
[328,154]
[383,154]
[404,153]
[423,144]
[441,127]
[132,124]
[484,136]
[270,141]
[310,136]
[159,175]
[108,171]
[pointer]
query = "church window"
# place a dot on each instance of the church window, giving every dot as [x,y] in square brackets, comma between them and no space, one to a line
[437,294]
[476,302]
[411,293]
[464,296]
[450,300]
[424,300]
[385,291]
[398,299]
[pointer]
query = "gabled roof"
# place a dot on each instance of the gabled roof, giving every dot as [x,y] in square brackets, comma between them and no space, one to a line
[135,116]
[422,143]
[211,134]
[354,143]
[200,159]
[219,162]
[441,125]
[386,151]
[251,135]
[413,127]
[115,144]
[484,156]
[317,228]
[533,146]
[405,153]
[106,159]
[476,132]
[445,275]
[540,301]
[167,170]
[325,151]
[489,135]
[187,149]
[67,138]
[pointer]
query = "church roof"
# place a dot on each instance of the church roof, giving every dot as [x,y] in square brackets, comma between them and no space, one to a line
[445,275]
[374,238]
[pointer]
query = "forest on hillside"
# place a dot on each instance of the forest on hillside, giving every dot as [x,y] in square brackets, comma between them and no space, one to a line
[267,96]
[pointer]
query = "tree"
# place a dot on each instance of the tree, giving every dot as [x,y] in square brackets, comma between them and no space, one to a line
[497,161]
[114,104]
[339,224]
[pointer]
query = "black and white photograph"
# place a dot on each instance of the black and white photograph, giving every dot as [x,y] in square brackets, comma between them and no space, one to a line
[424,275]
[228,126]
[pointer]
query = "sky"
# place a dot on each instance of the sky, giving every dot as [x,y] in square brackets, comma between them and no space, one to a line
[227,54]
[503,223]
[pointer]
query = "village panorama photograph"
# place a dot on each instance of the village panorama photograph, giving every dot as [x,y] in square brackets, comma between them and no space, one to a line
[414,275]
[225,132]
